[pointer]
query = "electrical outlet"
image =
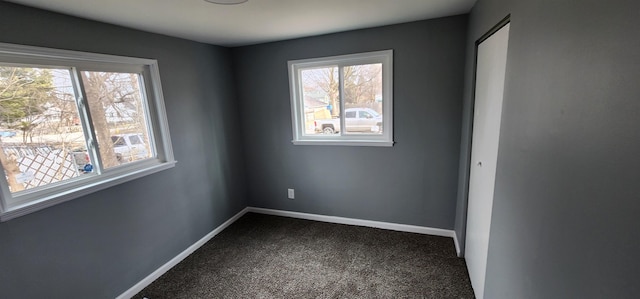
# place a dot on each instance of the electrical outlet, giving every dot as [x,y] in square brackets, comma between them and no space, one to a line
[291,193]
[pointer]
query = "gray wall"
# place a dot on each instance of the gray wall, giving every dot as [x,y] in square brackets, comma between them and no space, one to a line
[102,244]
[566,208]
[413,182]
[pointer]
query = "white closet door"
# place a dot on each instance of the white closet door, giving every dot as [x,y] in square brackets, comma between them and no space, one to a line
[490,76]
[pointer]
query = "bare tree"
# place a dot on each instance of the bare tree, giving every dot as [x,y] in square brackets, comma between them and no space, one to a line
[99,97]
[361,83]
[117,93]
[327,80]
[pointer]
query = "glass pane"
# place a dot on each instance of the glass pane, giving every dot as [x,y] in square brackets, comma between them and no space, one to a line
[135,139]
[321,100]
[118,113]
[40,132]
[363,98]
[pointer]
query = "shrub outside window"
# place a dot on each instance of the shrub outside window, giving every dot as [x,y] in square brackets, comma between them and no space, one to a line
[353,92]
[72,123]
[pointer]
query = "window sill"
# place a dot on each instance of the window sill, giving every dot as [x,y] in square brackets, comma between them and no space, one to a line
[104,182]
[343,142]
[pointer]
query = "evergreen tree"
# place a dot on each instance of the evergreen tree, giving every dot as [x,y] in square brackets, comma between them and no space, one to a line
[23,93]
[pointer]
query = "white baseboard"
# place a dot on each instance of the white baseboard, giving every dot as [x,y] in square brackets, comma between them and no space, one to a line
[359,222]
[174,261]
[455,241]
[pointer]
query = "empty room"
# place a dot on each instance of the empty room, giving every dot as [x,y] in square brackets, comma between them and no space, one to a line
[319,149]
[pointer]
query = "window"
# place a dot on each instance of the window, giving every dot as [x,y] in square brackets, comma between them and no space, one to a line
[72,123]
[365,114]
[135,139]
[350,91]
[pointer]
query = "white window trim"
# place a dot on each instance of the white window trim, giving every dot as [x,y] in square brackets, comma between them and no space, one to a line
[29,202]
[297,109]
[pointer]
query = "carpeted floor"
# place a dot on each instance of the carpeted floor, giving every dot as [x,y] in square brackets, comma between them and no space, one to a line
[262,256]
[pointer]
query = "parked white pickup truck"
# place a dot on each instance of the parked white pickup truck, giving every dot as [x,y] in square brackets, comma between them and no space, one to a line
[126,147]
[363,120]
[129,147]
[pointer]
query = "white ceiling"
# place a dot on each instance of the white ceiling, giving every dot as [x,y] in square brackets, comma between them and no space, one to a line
[255,21]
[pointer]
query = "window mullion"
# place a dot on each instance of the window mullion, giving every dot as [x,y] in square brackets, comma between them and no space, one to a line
[87,124]
[299,104]
[343,124]
[144,81]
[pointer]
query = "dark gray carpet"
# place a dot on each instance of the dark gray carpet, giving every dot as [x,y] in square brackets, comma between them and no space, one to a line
[262,256]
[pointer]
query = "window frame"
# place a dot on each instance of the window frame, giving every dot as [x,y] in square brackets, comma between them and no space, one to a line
[28,201]
[295,67]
